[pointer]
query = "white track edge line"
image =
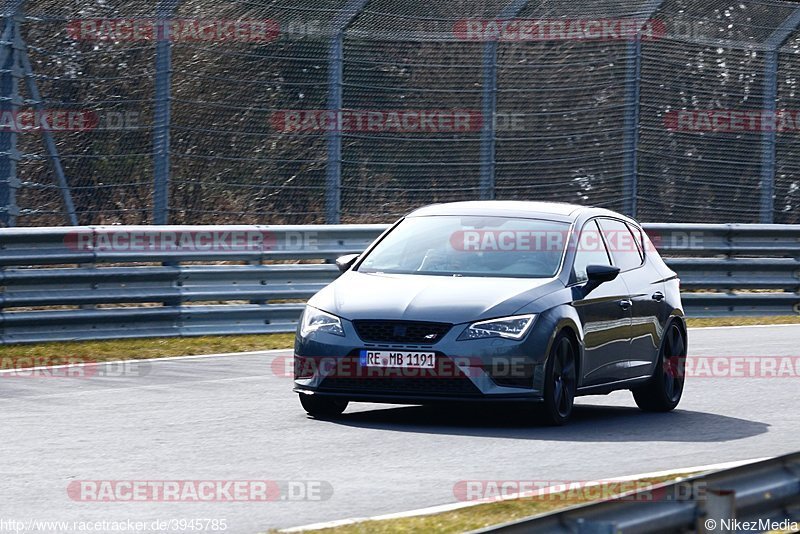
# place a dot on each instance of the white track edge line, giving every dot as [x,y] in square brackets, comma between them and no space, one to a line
[742,326]
[165,359]
[458,505]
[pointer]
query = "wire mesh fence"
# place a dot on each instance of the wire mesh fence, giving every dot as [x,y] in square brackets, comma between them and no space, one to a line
[271,111]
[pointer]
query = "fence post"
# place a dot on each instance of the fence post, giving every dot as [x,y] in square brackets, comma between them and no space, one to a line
[9,103]
[489,126]
[47,136]
[161,112]
[770,98]
[488,149]
[630,146]
[768,138]
[333,170]
[630,143]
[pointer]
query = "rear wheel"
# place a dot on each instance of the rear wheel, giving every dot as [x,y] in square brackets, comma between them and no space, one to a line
[560,381]
[663,391]
[321,407]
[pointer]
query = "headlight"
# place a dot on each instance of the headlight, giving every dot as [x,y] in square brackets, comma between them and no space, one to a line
[315,320]
[514,327]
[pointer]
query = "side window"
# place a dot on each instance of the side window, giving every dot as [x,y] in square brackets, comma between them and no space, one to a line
[623,246]
[591,251]
[637,237]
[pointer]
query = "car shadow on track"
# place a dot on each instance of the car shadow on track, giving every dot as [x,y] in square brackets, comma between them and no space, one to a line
[589,423]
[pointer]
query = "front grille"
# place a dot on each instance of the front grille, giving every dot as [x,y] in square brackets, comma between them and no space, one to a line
[401,331]
[445,379]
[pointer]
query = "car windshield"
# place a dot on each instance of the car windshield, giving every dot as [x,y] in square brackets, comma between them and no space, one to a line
[451,245]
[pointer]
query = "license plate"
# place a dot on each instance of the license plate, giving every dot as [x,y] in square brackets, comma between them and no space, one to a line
[397,358]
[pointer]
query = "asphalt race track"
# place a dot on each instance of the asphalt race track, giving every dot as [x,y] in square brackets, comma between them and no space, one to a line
[235,418]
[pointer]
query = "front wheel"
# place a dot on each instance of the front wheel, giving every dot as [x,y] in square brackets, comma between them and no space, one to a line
[560,381]
[663,391]
[321,407]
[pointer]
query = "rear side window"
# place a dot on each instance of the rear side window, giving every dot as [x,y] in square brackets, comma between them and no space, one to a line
[591,251]
[637,237]
[622,244]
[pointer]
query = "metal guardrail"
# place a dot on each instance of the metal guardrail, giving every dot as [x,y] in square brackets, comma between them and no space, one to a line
[81,289]
[69,283]
[767,490]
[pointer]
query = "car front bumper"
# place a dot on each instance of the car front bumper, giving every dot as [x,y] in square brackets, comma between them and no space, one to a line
[494,369]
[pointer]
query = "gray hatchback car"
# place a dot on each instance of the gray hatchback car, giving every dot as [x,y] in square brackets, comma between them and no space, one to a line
[496,301]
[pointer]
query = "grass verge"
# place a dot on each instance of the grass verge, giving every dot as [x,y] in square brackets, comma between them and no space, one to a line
[697,322]
[138,349]
[494,513]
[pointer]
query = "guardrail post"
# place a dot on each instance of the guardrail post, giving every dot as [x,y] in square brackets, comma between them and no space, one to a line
[770,98]
[161,112]
[489,105]
[9,103]
[333,171]
[630,143]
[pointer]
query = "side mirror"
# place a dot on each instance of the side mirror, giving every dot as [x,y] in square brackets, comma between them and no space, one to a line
[599,274]
[345,262]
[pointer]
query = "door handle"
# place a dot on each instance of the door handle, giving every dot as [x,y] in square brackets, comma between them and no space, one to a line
[658,296]
[625,304]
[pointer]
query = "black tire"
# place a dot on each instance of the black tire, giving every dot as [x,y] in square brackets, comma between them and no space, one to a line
[663,391]
[560,381]
[322,407]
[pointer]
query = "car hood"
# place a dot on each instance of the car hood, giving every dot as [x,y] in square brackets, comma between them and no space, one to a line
[356,295]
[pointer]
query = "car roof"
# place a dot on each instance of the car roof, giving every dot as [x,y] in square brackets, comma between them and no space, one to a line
[557,211]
